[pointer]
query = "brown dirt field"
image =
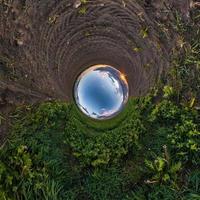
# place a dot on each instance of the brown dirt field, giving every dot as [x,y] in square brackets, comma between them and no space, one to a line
[45,44]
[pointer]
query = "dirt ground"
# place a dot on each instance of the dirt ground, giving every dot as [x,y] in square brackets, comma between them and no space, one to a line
[45,45]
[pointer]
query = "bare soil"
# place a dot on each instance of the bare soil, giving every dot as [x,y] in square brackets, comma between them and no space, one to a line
[45,45]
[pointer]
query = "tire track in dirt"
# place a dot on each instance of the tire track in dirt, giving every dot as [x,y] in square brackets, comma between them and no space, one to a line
[51,42]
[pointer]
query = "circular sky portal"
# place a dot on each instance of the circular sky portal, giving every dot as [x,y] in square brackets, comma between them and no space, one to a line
[101,92]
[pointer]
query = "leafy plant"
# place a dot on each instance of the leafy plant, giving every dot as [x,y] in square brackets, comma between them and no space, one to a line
[165,112]
[105,147]
[33,164]
[82,10]
[164,170]
[185,141]
[168,91]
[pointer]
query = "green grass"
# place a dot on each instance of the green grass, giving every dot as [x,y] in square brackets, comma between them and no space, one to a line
[101,125]
[149,152]
[185,70]
[51,155]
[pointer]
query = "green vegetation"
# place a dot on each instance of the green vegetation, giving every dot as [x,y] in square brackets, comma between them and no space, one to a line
[52,154]
[84,1]
[106,144]
[149,152]
[144,32]
[184,74]
[82,10]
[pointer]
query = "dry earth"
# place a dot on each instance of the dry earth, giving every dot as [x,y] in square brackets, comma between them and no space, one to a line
[45,44]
